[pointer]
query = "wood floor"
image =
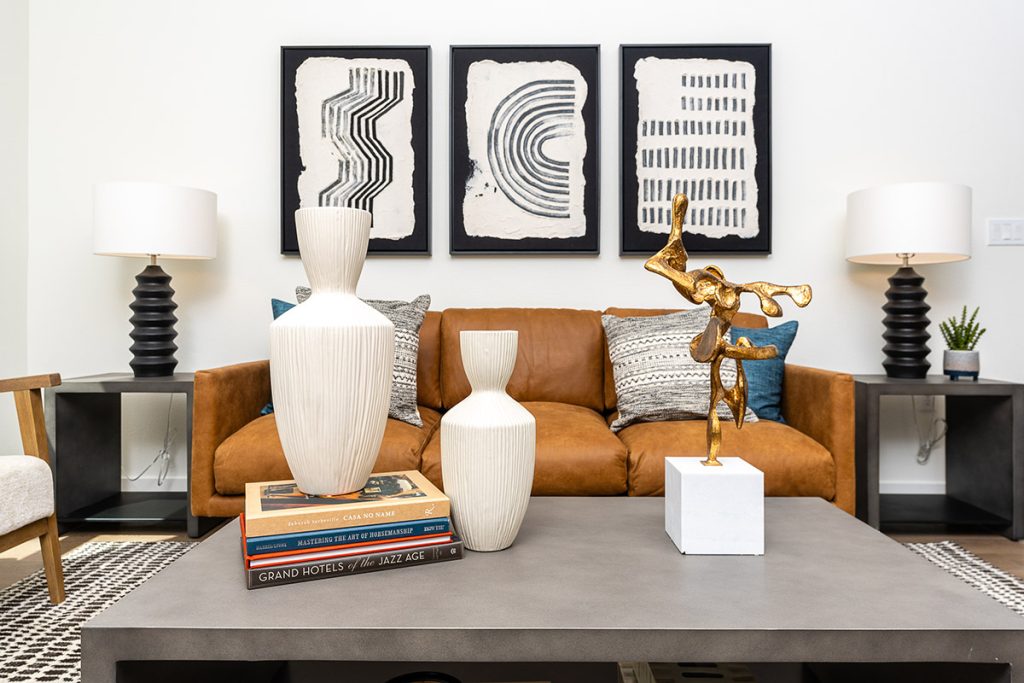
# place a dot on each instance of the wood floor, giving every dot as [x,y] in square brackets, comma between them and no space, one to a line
[22,560]
[1002,552]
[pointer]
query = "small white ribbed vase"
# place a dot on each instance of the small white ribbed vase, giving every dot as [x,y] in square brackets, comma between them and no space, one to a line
[488,446]
[331,359]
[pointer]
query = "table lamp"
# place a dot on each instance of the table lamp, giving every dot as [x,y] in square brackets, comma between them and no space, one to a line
[154,220]
[904,224]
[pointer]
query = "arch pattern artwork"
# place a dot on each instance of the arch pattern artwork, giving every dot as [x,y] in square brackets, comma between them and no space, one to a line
[524,149]
[525,120]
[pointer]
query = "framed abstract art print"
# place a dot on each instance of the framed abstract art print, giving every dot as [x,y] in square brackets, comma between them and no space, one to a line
[524,149]
[355,132]
[696,119]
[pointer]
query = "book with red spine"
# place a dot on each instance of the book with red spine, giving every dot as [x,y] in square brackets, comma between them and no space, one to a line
[275,559]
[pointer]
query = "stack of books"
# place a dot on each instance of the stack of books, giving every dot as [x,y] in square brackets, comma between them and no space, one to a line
[398,519]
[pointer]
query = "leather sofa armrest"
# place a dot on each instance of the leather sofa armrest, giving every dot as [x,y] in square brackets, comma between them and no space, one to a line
[224,400]
[820,403]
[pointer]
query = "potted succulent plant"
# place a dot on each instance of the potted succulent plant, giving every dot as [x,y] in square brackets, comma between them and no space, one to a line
[960,359]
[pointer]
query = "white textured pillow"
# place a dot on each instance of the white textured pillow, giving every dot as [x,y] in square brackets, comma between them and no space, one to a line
[656,378]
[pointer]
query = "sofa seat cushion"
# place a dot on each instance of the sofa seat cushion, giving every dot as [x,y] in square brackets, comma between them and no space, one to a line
[793,463]
[577,454]
[254,452]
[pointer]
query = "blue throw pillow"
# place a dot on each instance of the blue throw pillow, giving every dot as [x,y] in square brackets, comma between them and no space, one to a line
[764,377]
[279,307]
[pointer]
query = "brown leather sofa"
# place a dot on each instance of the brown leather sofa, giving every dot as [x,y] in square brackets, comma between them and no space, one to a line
[563,376]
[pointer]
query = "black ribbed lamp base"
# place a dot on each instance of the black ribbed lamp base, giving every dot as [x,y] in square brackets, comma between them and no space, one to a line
[153,324]
[906,326]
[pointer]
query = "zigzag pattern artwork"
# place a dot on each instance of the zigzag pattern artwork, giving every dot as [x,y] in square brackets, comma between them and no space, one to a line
[349,122]
[523,122]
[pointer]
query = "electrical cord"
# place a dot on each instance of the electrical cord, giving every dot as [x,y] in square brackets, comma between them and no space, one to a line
[164,454]
[929,436]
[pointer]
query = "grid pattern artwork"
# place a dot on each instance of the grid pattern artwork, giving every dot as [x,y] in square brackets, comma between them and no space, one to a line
[696,120]
[695,135]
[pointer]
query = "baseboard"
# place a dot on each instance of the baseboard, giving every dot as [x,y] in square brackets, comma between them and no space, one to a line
[915,487]
[149,484]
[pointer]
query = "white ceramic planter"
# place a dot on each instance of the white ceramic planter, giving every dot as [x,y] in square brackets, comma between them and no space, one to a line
[488,446]
[331,360]
[957,364]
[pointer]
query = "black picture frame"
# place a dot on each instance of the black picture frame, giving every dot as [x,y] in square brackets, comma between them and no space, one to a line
[635,241]
[586,58]
[418,58]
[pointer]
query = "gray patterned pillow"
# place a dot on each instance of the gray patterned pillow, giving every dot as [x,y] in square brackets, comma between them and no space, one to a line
[407,317]
[656,379]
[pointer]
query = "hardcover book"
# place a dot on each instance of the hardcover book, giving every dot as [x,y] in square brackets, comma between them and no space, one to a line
[310,571]
[304,541]
[282,559]
[278,507]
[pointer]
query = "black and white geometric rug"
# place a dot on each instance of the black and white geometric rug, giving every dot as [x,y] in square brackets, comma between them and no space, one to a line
[40,641]
[971,569]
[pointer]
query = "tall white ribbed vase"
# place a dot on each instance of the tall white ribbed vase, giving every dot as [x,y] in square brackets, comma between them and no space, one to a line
[331,359]
[488,446]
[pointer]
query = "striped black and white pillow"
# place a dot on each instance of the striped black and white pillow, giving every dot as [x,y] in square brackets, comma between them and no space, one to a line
[656,378]
[407,317]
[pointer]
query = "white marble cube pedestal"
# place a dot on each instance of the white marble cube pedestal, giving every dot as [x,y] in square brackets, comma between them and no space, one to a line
[714,510]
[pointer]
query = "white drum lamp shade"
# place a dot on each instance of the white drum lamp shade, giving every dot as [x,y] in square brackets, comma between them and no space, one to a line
[929,222]
[152,219]
[900,225]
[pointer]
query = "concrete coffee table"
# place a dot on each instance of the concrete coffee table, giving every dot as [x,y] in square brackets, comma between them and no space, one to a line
[588,580]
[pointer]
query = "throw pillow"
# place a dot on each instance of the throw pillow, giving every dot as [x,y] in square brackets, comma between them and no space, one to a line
[764,377]
[656,379]
[279,307]
[407,317]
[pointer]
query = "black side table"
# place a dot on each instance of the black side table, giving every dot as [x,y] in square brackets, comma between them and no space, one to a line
[83,424]
[984,455]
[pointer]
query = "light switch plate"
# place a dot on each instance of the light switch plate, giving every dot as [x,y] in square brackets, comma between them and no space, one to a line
[1005,232]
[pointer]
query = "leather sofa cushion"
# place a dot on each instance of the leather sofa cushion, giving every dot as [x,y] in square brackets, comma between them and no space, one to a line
[428,365]
[577,455]
[793,464]
[611,401]
[560,359]
[254,452]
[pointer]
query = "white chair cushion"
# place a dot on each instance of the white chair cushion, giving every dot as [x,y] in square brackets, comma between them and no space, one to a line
[26,491]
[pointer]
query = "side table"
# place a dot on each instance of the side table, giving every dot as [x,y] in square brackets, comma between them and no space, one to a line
[984,455]
[83,424]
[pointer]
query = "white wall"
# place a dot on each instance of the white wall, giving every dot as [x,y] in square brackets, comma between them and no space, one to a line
[864,92]
[13,206]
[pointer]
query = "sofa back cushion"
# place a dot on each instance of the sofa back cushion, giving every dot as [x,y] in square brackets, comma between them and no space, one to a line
[611,401]
[561,354]
[428,364]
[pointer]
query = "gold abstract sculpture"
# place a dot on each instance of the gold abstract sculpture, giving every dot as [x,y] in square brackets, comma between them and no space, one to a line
[708,285]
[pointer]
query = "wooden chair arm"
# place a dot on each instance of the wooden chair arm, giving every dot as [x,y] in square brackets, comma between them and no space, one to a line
[27,383]
[28,399]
